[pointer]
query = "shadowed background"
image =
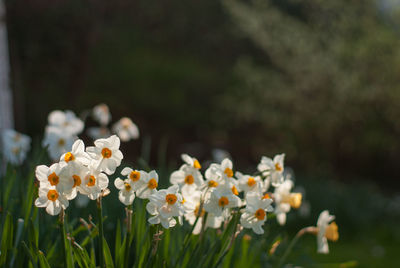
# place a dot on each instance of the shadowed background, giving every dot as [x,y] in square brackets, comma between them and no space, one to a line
[317,80]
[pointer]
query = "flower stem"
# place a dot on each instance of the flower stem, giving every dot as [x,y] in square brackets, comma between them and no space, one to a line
[101,232]
[293,242]
[63,236]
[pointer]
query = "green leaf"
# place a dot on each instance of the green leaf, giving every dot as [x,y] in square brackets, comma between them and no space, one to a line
[7,239]
[107,255]
[42,260]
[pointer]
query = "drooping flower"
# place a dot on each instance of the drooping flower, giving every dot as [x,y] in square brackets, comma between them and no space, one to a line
[327,230]
[15,146]
[188,177]
[284,200]
[147,184]
[255,213]
[126,193]
[273,168]
[58,141]
[51,199]
[164,205]
[66,121]
[126,129]
[101,113]
[106,154]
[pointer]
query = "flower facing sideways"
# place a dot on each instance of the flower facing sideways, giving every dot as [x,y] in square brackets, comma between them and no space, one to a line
[188,177]
[327,230]
[273,168]
[147,184]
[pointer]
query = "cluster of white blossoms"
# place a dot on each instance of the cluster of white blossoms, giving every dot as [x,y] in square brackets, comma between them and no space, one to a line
[61,132]
[78,171]
[124,128]
[15,146]
[210,200]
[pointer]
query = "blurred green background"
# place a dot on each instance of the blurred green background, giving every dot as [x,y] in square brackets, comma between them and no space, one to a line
[318,80]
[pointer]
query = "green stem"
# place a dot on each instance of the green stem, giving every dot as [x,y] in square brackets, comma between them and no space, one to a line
[101,232]
[291,245]
[64,238]
[128,234]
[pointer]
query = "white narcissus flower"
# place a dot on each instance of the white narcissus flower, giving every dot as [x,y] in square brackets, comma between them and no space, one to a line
[327,230]
[67,121]
[126,193]
[191,205]
[188,177]
[134,176]
[273,168]
[106,154]
[54,176]
[248,183]
[255,213]
[284,200]
[51,199]
[101,113]
[58,141]
[77,154]
[147,184]
[94,183]
[126,129]
[164,205]
[76,172]
[15,146]
[220,199]
[98,132]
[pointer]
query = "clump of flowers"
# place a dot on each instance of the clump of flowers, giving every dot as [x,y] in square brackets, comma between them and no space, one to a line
[216,198]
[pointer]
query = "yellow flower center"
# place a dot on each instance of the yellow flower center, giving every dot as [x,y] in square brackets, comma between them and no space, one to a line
[331,232]
[251,182]
[53,179]
[171,199]
[234,190]
[228,172]
[278,167]
[266,196]
[135,175]
[69,157]
[16,150]
[295,200]
[223,201]
[196,164]
[61,142]
[212,183]
[17,137]
[106,153]
[77,180]
[197,210]
[128,187]
[91,181]
[260,214]
[189,179]
[152,184]
[52,195]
